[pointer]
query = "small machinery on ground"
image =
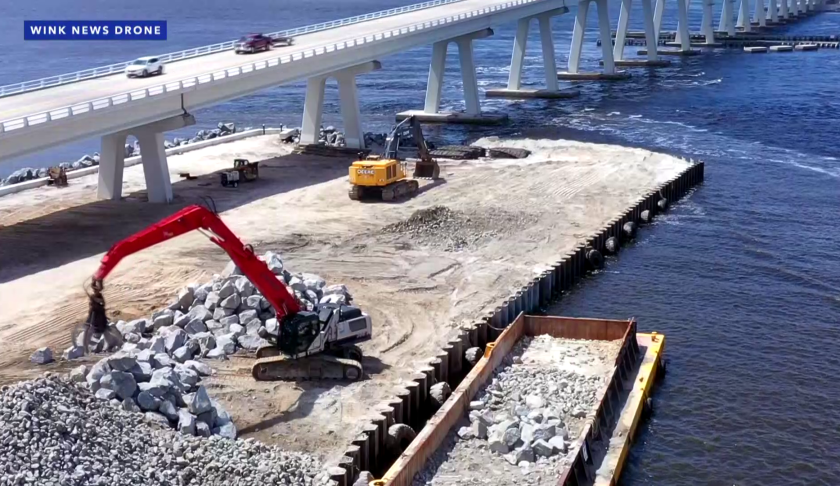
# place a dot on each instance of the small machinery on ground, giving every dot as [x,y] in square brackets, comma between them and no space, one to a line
[384,176]
[243,171]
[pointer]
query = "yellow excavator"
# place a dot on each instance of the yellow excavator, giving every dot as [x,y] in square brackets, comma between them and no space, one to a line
[384,176]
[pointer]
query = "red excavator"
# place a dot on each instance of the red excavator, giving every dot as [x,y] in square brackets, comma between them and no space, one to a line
[309,344]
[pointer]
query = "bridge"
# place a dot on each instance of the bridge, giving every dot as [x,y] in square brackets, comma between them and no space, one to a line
[102,102]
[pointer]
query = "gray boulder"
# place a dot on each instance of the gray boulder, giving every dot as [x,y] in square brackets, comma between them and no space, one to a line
[163,320]
[252,302]
[42,356]
[147,402]
[168,410]
[142,371]
[73,352]
[156,418]
[200,402]
[180,319]
[227,289]
[184,353]
[162,361]
[122,361]
[105,394]
[175,340]
[96,373]
[220,313]
[274,263]
[212,300]
[121,382]
[199,367]
[157,344]
[202,429]
[226,344]
[244,287]
[231,302]
[186,422]
[156,389]
[228,431]
[195,326]
[78,374]
[251,342]
[200,312]
[186,297]
[130,406]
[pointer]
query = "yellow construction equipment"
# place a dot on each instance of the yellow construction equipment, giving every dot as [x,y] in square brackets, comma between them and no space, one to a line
[385,176]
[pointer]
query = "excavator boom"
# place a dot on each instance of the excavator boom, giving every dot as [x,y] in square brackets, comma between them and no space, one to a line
[197,217]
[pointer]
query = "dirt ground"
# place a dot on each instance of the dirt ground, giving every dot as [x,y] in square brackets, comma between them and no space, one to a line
[520,214]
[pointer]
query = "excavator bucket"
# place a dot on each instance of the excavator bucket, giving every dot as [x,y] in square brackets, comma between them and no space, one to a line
[96,334]
[426,170]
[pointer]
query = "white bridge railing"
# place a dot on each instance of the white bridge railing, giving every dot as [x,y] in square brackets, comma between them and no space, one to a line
[174,86]
[17,88]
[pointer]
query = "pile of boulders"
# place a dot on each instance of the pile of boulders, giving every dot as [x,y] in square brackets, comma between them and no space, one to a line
[131,150]
[54,432]
[157,371]
[518,427]
[221,130]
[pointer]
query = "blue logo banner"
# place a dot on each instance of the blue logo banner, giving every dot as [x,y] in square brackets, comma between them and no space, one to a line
[94,30]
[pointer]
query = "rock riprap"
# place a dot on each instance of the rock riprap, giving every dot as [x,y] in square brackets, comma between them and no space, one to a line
[158,369]
[525,421]
[54,432]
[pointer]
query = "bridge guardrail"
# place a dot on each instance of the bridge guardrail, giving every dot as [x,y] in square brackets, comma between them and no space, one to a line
[140,94]
[51,81]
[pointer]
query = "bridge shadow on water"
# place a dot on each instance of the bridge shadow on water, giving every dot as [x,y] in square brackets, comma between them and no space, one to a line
[69,234]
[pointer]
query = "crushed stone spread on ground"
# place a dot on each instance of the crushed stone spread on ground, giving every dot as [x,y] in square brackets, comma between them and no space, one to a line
[455,230]
[524,424]
[54,432]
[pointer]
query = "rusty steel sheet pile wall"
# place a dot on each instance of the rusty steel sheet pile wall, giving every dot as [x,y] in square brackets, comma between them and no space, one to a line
[371,451]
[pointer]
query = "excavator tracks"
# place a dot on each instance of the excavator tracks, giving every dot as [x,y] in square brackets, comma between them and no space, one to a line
[318,367]
[399,190]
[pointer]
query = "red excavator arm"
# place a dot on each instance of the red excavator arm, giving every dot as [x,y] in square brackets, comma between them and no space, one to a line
[197,217]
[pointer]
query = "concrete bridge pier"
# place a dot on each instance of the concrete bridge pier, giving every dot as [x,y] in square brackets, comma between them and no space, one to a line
[434,87]
[650,37]
[744,16]
[313,107]
[772,12]
[578,33]
[152,154]
[760,13]
[783,9]
[727,18]
[708,21]
[514,86]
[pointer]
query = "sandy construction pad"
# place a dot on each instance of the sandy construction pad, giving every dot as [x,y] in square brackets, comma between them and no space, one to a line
[483,231]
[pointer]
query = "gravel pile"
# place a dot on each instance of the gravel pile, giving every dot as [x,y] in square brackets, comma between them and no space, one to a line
[453,230]
[158,370]
[53,432]
[523,425]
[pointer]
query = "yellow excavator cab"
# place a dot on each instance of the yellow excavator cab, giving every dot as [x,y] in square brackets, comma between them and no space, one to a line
[384,176]
[376,172]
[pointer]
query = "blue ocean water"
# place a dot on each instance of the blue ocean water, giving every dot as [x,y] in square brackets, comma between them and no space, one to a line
[743,277]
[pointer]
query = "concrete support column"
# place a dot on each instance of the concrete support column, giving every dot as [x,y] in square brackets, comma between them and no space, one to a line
[517,59]
[708,18]
[549,61]
[313,107]
[657,18]
[744,16]
[727,20]
[152,155]
[434,86]
[621,31]
[577,36]
[349,99]
[650,31]
[773,11]
[783,9]
[682,27]
[760,14]
[155,168]
[465,54]
[606,34]
[313,110]
[111,166]
[678,37]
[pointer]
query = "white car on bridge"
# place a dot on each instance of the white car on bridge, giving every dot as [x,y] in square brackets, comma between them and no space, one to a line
[144,66]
